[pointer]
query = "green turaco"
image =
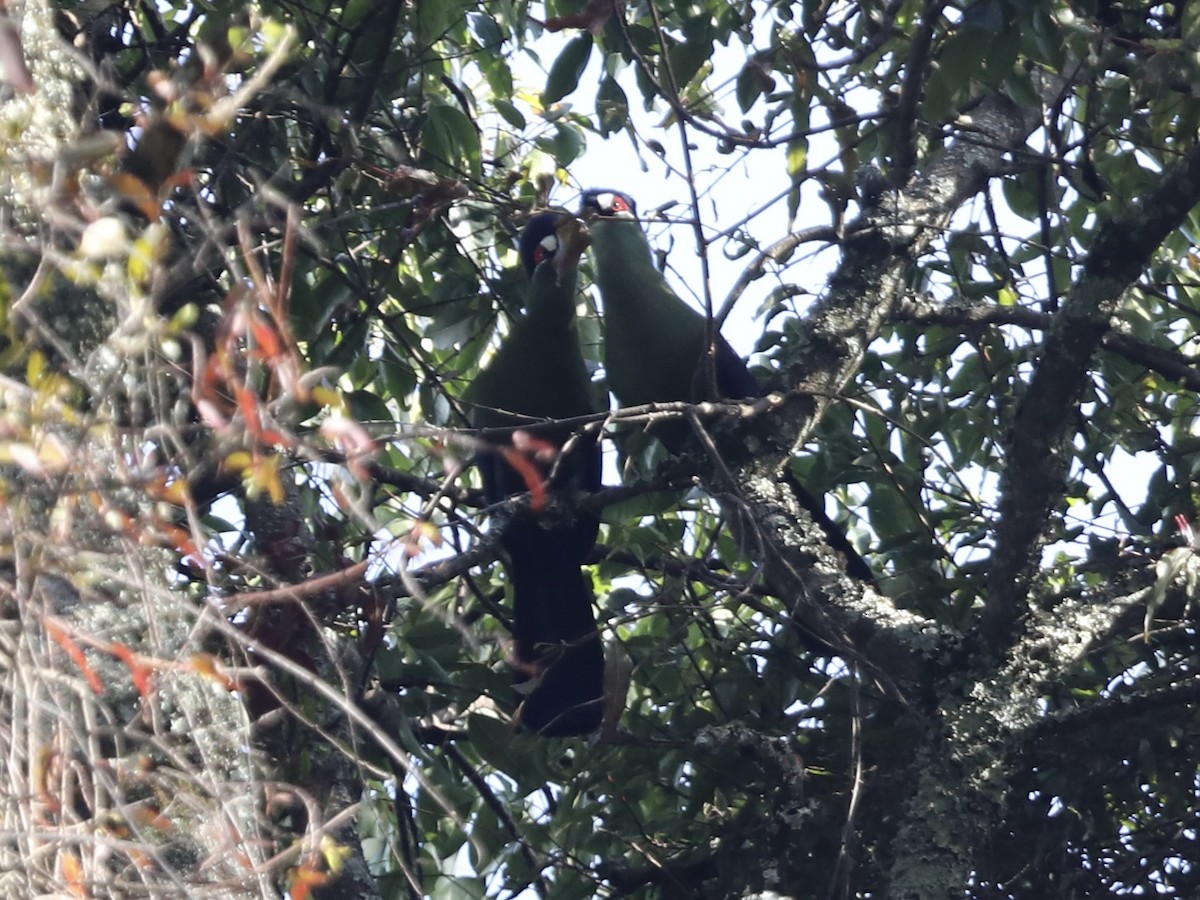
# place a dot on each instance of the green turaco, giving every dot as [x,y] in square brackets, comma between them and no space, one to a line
[538,375]
[656,346]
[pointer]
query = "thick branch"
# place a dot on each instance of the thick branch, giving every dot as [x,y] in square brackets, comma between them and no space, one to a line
[877,258]
[1169,363]
[961,790]
[1112,711]
[1037,465]
[878,255]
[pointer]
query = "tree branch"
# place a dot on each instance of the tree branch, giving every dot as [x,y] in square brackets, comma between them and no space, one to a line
[878,255]
[1169,363]
[1033,479]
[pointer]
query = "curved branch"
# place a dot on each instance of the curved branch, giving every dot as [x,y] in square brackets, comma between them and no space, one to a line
[1033,479]
[873,275]
[912,89]
[1114,710]
[1169,363]
[777,252]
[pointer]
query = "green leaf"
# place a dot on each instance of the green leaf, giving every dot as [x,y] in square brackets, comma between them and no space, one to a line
[648,504]
[960,60]
[569,144]
[751,82]
[612,106]
[567,69]
[1021,194]
[797,158]
[452,140]
[491,737]
[368,407]
[510,114]
[686,61]
[459,887]
[1191,24]
[486,29]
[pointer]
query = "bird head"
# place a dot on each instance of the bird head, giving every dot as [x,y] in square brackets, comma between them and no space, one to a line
[606,203]
[557,238]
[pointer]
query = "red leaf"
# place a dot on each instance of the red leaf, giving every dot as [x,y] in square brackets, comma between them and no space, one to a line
[269,345]
[530,474]
[594,17]
[142,674]
[248,405]
[64,640]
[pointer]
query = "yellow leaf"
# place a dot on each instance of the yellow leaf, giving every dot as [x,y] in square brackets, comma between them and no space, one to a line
[35,368]
[335,854]
[327,396]
[263,477]
[147,250]
[185,318]
[238,461]
[797,158]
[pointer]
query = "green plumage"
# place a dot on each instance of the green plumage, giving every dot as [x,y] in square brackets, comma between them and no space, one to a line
[656,346]
[653,341]
[538,374]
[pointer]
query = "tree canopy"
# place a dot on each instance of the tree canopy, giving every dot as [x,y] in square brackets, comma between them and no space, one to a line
[253,614]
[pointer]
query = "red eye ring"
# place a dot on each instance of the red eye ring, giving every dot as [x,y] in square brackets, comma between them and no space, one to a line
[545,249]
[608,203]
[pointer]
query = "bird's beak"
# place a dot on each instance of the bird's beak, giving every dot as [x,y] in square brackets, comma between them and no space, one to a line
[573,239]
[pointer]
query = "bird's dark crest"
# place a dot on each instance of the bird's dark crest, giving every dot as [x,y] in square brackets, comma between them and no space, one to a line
[539,240]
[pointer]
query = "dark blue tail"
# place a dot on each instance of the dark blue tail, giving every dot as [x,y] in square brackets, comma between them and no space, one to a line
[559,664]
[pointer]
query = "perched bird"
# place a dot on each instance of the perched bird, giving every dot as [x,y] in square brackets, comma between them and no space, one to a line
[657,348]
[538,374]
[654,343]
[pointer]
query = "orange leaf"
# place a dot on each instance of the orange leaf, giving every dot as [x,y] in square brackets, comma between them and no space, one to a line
[266,337]
[175,492]
[180,540]
[206,664]
[137,192]
[530,474]
[303,879]
[275,438]
[72,870]
[74,651]
[540,449]
[248,404]
[214,375]
[148,814]
[41,777]
[142,674]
